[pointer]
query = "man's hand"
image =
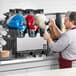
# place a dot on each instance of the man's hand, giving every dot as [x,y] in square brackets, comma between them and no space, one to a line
[52,22]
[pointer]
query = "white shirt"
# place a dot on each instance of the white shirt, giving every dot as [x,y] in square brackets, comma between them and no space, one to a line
[66,44]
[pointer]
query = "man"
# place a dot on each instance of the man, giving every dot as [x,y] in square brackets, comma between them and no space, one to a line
[66,43]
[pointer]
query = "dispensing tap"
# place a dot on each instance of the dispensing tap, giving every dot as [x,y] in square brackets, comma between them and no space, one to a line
[32,28]
[40,20]
[16,22]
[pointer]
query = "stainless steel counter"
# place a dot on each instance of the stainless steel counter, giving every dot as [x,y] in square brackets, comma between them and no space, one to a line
[57,72]
[31,64]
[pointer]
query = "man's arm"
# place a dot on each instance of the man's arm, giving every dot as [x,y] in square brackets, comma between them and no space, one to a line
[55,31]
[60,45]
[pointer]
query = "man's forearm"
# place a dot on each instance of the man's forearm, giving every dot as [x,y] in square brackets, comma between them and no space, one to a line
[49,40]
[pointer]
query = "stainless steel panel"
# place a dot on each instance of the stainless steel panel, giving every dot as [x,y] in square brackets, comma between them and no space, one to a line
[28,43]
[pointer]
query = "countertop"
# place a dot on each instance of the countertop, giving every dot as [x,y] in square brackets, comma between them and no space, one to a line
[58,72]
[29,59]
